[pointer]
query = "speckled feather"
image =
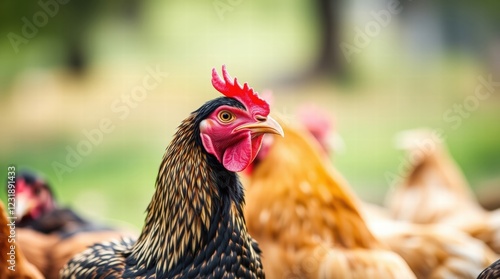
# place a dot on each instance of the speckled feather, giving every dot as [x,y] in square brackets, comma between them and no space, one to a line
[194,225]
[491,272]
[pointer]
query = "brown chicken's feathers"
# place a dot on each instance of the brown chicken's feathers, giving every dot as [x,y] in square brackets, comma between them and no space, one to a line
[19,268]
[434,251]
[306,219]
[435,191]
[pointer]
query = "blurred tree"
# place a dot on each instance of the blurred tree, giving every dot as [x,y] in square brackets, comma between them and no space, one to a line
[330,59]
[471,29]
[28,29]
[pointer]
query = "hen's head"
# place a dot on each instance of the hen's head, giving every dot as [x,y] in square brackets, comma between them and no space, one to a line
[33,196]
[235,125]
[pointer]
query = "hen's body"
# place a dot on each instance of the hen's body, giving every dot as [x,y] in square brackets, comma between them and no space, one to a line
[307,220]
[436,192]
[13,264]
[435,251]
[194,226]
[50,235]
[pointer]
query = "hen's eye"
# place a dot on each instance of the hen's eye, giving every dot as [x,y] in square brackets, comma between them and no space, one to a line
[225,116]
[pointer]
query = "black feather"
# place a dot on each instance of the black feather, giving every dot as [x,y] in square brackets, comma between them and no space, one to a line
[220,249]
[491,272]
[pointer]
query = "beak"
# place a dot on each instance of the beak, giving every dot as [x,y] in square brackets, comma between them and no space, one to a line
[267,126]
[23,206]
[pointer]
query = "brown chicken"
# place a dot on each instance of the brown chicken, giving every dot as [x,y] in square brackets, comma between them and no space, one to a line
[306,219]
[13,264]
[435,191]
[434,251]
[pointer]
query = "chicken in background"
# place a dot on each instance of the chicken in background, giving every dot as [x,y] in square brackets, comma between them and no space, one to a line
[195,226]
[430,251]
[434,251]
[321,124]
[18,267]
[306,219]
[316,120]
[435,191]
[49,234]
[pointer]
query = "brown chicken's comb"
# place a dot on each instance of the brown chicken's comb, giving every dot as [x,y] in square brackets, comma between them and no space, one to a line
[230,88]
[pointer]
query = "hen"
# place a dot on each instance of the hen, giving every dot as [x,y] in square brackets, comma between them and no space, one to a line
[321,124]
[434,251]
[39,210]
[435,191]
[13,263]
[50,235]
[307,220]
[194,226]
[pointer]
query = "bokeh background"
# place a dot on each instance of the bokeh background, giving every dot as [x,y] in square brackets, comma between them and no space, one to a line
[378,67]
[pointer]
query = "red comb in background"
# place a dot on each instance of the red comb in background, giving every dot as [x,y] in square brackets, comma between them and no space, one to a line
[230,88]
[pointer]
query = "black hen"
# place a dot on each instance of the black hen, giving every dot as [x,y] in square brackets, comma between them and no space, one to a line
[38,209]
[195,226]
[491,272]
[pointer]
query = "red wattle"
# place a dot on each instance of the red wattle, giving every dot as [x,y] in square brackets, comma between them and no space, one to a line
[238,156]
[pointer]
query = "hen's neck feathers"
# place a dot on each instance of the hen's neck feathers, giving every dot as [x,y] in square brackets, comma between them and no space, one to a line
[190,188]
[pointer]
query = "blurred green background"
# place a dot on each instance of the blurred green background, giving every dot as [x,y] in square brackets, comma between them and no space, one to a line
[378,67]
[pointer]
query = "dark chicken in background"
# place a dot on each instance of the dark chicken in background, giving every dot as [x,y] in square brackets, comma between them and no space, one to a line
[194,226]
[38,209]
[49,234]
[18,267]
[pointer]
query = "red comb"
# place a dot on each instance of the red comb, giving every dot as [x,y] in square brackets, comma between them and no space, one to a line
[230,88]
